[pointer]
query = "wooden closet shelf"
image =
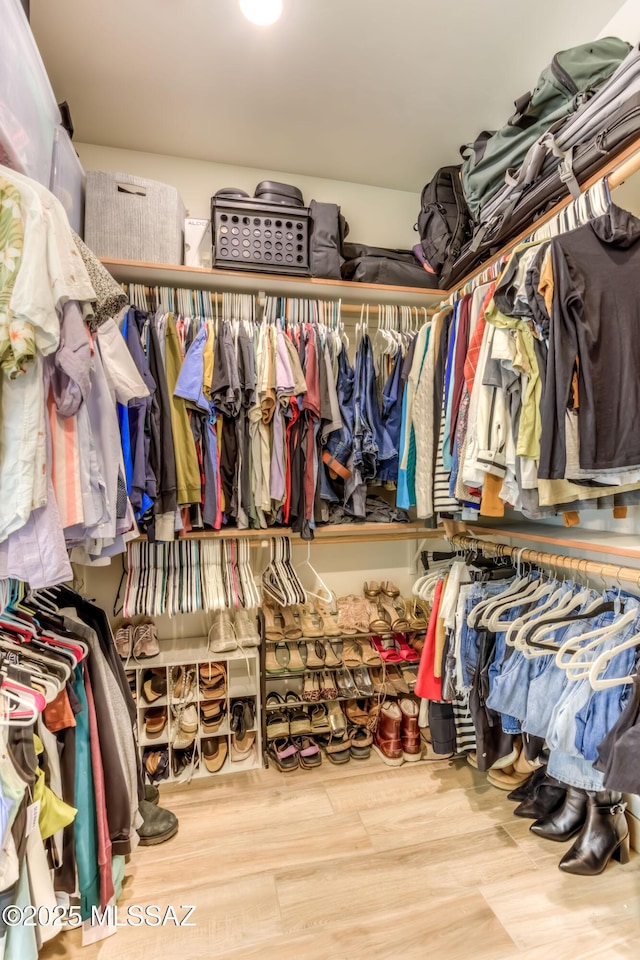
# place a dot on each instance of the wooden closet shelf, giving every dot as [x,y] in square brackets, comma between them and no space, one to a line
[587,541]
[239,281]
[340,533]
[617,169]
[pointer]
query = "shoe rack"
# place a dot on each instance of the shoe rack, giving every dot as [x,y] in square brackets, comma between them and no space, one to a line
[287,681]
[243,682]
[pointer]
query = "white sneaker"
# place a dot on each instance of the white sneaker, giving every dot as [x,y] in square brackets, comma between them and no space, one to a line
[222,638]
[245,629]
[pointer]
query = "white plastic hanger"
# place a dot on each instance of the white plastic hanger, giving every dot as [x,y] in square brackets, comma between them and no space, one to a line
[574,668]
[323,593]
[601,661]
[491,618]
[525,637]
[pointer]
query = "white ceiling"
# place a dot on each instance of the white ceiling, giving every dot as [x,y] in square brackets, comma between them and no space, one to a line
[372,91]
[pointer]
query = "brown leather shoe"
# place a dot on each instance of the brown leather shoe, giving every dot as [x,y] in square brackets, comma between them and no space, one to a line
[387,740]
[410,731]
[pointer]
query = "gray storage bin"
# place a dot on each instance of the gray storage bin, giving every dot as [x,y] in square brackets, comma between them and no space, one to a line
[130,218]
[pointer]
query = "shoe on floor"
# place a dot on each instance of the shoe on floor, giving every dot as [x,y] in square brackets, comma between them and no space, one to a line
[159,825]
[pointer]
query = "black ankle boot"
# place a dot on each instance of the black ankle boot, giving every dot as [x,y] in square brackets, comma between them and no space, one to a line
[527,789]
[605,835]
[567,820]
[548,796]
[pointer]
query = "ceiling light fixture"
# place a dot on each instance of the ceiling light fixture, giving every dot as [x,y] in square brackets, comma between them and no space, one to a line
[261,12]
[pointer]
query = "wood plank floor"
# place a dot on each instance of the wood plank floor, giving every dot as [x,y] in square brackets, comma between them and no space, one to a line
[365,862]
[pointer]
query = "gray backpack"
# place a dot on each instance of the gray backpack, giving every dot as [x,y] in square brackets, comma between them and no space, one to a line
[562,88]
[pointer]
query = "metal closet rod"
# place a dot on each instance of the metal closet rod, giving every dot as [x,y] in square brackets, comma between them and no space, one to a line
[579,565]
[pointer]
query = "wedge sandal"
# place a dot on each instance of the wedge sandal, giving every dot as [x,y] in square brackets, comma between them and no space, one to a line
[320,720]
[277,719]
[299,719]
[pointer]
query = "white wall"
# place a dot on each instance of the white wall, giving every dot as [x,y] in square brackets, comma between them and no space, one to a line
[376,215]
[625,24]
[344,568]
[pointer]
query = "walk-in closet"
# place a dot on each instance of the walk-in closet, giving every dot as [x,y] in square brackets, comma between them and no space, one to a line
[319,480]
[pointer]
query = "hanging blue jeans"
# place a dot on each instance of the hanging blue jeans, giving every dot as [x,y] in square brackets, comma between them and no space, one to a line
[392,417]
[372,445]
[339,443]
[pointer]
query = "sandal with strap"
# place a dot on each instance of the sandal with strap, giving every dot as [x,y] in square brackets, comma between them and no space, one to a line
[389,589]
[406,652]
[370,655]
[291,629]
[284,754]
[363,682]
[337,718]
[297,655]
[272,623]
[299,720]
[320,719]
[381,684]
[346,686]
[328,687]
[329,614]
[336,747]
[396,678]
[418,613]
[352,653]
[310,688]
[357,712]
[379,621]
[394,614]
[308,752]
[311,622]
[345,621]
[361,742]
[371,590]
[387,650]
[277,719]
[316,655]
[277,658]
[333,655]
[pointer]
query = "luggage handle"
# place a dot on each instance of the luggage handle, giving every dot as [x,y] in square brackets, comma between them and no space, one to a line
[521,105]
[131,189]
[478,146]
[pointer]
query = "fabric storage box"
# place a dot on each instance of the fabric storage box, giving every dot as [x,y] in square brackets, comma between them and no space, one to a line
[28,109]
[130,218]
[253,235]
[68,179]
